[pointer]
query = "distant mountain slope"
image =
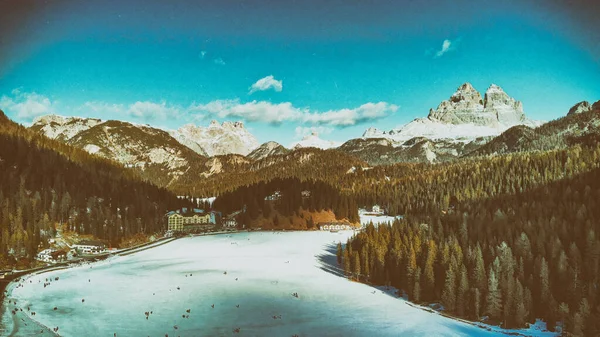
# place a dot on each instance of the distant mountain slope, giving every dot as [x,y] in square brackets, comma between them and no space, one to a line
[155,153]
[266,150]
[381,151]
[215,139]
[578,127]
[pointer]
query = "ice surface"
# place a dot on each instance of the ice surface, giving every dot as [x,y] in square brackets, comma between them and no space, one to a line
[366,218]
[263,270]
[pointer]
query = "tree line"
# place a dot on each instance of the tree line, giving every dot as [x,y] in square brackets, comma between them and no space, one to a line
[287,196]
[510,238]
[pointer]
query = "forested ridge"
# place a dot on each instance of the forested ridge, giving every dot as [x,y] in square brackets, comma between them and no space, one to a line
[512,238]
[287,196]
[579,128]
[44,182]
[328,166]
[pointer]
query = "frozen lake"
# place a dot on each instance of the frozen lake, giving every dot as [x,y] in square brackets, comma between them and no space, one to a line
[263,270]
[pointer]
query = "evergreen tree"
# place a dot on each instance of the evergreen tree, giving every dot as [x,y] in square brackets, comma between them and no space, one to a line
[494,298]
[449,294]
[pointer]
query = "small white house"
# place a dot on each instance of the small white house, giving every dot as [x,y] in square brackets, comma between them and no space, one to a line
[45,255]
[377,209]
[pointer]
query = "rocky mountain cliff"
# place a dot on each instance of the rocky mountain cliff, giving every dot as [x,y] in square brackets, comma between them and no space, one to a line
[464,117]
[466,106]
[217,139]
[584,106]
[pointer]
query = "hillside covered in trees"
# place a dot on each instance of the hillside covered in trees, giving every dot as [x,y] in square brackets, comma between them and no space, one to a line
[510,238]
[44,182]
[287,198]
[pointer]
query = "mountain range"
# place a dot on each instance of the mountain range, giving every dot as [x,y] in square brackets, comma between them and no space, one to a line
[465,125]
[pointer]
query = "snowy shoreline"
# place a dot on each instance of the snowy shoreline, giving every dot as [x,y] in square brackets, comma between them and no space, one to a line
[237,236]
[6,294]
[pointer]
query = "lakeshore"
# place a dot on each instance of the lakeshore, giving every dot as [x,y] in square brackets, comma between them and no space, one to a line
[260,282]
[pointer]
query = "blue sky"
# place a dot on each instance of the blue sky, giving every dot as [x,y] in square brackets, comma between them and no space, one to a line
[337,67]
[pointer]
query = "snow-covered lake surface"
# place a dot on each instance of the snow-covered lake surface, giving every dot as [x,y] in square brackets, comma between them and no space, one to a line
[366,218]
[263,270]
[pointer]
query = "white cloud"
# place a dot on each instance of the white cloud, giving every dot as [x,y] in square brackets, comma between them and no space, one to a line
[202,54]
[348,117]
[446,46]
[149,110]
[252,111]
[25,106]
[302,131]
[268,112]
[219,61]
[266,83]
[140,110]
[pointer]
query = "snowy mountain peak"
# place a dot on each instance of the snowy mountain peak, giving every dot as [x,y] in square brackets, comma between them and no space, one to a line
[494,89]
[62,128]
[464,116]
[313,140]
[47,119]
[508,111]
[373,133]
[464,106]
[464,92]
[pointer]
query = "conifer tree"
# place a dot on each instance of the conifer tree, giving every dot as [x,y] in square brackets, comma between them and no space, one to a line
[494,298]
[449,294]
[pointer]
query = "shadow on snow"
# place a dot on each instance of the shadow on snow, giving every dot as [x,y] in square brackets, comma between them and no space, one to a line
[328,260]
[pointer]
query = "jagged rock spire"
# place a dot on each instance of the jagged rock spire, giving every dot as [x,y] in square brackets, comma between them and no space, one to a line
[466,106]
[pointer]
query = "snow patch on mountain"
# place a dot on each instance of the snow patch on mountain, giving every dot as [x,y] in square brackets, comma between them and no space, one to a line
[91,148]
[313,140]
[63,128]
